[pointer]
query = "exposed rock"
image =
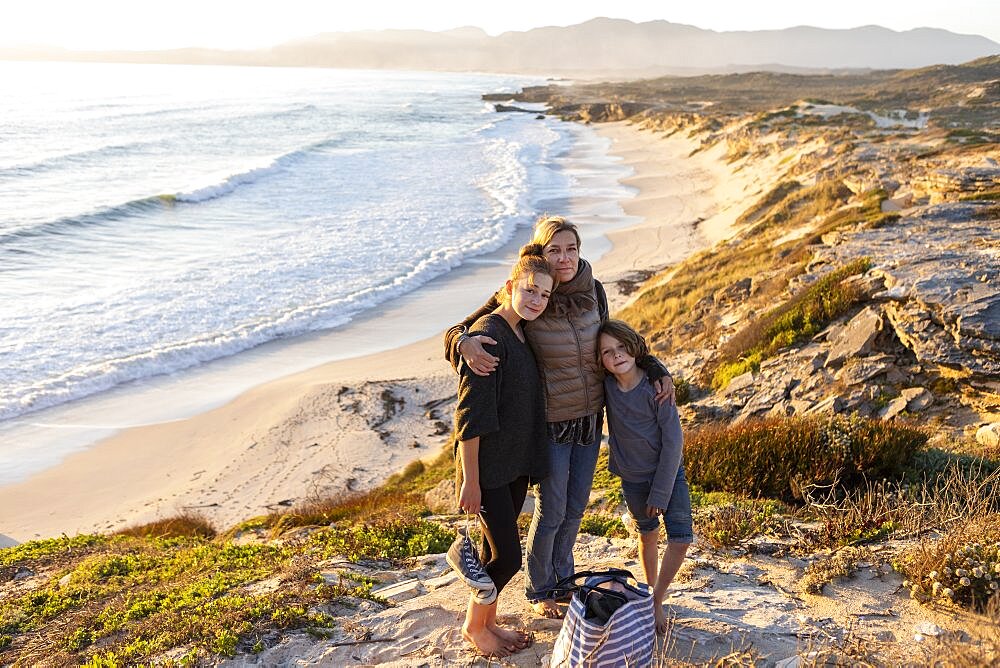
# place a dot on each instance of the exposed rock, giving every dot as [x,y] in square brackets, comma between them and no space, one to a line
[507,107]
[928,629]
[600,112]
[945,184]
[942,273]
[800,406]
[762,401]
[739,382]
[856,338]
[736,293]
[868,284]
[917,398]
[442,499]
[400,591]
[989,434]
[441,580]
[832,404]
[894,376]
[855,372]
[894,408]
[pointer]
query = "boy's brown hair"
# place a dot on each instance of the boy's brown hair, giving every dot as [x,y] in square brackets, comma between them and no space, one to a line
[634,344]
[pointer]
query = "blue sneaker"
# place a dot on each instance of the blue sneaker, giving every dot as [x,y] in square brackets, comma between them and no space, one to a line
[462,556]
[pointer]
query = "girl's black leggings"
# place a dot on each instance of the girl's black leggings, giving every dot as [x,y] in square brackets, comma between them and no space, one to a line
[501,548]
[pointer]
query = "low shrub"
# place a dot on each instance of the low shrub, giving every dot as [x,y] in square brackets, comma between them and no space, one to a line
[602,524]
[775,458]
[130,599]
[824,570]
[729,524]
[961,568]
[390,540]
[44,551]
[682,390]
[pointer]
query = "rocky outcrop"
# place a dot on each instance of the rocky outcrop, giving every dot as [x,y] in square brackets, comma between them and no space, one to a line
[941,268]
[507,107]
[934,290]
[600,112]
[943,184]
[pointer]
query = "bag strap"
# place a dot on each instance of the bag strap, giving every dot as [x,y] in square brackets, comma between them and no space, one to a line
[616,579]
[574,582]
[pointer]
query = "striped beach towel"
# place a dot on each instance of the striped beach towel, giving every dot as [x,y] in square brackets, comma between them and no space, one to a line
[626,639]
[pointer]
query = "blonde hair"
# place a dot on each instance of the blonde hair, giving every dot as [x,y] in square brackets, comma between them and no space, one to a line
[634,344]
[549,226]
[531,261]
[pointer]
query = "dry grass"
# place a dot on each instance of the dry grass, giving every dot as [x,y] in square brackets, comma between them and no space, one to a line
[876,509]
[795,321]
[960,567]
[189,524]
[729,524]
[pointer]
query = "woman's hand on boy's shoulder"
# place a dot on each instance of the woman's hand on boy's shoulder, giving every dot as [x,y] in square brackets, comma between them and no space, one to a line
[664,389]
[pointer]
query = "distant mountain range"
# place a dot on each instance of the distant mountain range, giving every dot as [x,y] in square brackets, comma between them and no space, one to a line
[600,47]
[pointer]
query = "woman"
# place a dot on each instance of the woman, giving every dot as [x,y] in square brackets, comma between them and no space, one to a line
[564,339]
[500,429]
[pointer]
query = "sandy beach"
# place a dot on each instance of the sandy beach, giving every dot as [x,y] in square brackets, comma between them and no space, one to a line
[347,425]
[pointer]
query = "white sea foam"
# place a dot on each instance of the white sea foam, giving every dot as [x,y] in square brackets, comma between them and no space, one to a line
[291,222]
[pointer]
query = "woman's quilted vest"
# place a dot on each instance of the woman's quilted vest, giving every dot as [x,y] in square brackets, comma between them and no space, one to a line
[564,340]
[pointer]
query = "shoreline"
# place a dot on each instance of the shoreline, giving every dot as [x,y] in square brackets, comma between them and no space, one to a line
[346,425]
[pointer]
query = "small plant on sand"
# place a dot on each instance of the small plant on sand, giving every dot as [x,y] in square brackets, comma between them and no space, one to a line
[961,568]
[729,524]
[825,569]
[682,388]
[607,483]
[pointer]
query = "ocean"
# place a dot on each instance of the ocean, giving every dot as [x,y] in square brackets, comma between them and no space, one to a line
[155,218]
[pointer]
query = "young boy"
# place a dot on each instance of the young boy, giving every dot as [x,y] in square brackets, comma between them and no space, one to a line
[646,444]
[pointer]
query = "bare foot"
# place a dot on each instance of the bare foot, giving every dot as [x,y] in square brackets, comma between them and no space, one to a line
[547,608]
[486,642]
[661,618]
[517,640]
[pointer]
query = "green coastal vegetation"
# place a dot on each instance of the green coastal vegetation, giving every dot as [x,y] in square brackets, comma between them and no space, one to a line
[177,592]
[838,490]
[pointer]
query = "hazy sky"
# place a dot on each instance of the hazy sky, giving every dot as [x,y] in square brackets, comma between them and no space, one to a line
[156,24]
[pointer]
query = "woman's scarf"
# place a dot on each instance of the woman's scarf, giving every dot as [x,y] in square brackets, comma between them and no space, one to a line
[576,296]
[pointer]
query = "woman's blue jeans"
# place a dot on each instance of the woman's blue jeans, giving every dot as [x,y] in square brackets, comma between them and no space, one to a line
[562,498]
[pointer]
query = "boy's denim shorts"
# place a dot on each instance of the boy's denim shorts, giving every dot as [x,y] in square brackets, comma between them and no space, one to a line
[676,519]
